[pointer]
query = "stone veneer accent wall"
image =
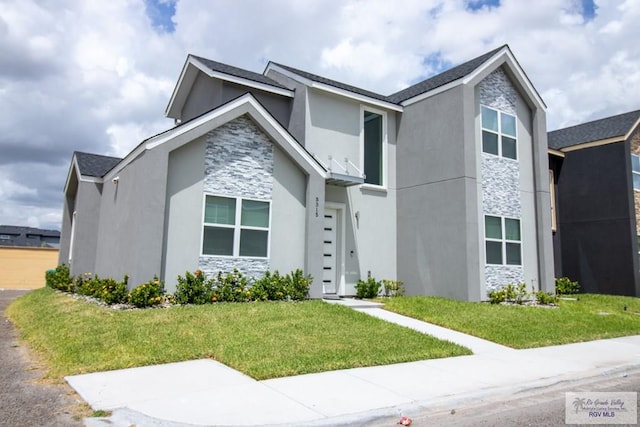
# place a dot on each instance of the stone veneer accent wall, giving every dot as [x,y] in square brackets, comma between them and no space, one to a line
[500,176]
[238,163]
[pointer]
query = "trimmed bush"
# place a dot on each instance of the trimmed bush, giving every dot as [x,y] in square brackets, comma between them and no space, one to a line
[297,285]
[230,287]
[60,278]
[193,289]
[564,286]
[148,294]
[368,289]
[113,292]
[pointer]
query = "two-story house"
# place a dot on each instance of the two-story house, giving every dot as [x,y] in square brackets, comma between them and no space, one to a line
[443,185]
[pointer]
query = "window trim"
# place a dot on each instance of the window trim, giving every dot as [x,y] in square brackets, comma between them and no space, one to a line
[237,226]
[503,240]
[385,140]
[499,133]
[633,172]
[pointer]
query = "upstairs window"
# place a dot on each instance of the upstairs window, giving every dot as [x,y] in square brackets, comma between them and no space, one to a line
[373,135]
[502,240]
[499,133]
[635,169]
[235,227]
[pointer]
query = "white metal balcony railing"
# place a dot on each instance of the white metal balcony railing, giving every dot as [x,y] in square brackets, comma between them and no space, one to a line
[343,176]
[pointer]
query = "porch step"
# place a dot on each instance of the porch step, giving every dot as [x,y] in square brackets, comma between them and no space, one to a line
[330,296]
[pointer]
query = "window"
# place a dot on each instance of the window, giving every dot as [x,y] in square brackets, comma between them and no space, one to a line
[552,193]
[235,227]
[635,168]
[502,240]
[373,131]
[499,133]
[5,237]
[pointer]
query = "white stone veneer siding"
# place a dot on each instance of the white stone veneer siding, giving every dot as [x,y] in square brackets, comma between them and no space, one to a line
[238,163]
[500,177]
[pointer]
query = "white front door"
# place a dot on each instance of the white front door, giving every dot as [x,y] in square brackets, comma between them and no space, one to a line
[330,251]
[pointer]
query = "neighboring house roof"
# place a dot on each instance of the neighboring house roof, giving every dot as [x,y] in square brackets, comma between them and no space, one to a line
[94,164]
[238,72]
[334,83]
[443,78]
[596,130]
[11,235]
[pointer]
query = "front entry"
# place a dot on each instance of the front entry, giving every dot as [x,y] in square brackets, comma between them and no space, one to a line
[330,251]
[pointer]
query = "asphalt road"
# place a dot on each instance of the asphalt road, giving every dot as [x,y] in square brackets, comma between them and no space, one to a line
[24,400]
[544,407]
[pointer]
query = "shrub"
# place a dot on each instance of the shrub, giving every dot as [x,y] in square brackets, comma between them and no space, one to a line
[392,288]
[113,292]
[497,296]
[270,287]
[298,285]
[231,287]
[368,288]
[148,294]
[88,285]
[545,298]
[60,278]
[193,289]
[564,286]
[509,293]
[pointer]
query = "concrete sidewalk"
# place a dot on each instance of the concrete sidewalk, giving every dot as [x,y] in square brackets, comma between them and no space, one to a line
[205,392]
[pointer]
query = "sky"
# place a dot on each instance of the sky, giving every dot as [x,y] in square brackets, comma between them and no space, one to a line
[96,76]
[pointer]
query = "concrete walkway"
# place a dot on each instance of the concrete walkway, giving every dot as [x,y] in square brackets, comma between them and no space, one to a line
[205,392]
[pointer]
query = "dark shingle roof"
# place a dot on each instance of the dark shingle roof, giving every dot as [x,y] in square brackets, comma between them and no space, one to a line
[11,235]
[609,127]
[95,164]
[442,79]
[334,83]
[238,72]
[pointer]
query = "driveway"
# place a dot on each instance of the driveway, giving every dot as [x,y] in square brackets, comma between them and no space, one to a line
[24,400]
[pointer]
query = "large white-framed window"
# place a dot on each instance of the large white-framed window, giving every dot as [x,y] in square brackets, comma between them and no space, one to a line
[635,169]
[235,227]
[499,133]
[373,146]
[503,241]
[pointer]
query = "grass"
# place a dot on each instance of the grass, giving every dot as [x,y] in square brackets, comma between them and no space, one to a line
[263,340]
[589,318]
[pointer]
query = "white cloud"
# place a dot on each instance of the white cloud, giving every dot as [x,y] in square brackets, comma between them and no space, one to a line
[97,76]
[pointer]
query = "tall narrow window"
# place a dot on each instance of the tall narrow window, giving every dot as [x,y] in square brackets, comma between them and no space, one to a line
[235,227]
[552,193]
[635,168]
[373,148]
[499,133]
[503,242]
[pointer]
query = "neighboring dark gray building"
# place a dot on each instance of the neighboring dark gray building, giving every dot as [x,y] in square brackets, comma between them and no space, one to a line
[11,235]
[443,185]
[596,176]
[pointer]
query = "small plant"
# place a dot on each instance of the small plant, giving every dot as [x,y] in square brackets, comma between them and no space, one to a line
[231,287]
[269,287]
[368,288]
[564,286]
[545,298]
[392,288]
[113,292]
[193,288]
[60,278]
[298,285]
[509,293]
[148,294]
[497,296]
[88,285]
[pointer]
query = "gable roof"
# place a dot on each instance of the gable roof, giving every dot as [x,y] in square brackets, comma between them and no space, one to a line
[94,164]
[238,72]
[334,83]
[597,130]
[443,78]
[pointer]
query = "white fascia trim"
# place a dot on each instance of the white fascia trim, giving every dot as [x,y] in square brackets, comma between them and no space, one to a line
[336,91]
[202,120]
[513,64]
[240,80]
[632,129]
[79,176]
[178,85]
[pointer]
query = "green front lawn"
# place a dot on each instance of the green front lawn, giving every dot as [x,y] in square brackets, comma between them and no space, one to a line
[591,317]
[262,339]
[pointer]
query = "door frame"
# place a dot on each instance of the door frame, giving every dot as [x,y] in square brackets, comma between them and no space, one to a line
[340,209]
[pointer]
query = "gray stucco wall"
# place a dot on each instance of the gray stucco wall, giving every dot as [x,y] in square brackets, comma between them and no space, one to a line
[183,218]
[437,197]
[130,234]
[298,116]
[87,205]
